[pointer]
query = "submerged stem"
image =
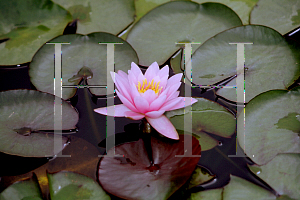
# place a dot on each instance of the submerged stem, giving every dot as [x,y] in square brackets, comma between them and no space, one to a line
[146,127]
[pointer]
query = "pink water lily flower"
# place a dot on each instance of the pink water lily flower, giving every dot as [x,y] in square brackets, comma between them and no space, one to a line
[148,95]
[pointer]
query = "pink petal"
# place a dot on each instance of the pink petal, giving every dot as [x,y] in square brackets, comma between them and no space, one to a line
[135,69]
[149,95]
[169,104]
[163,81]
[173,88]
[173,96]
[132,78]
[152,71]
[123,74]
[140,78]
[126,102]
[141,104]
[133,91]
[133,115]
[174,79]
[155,114]
[163,125]
[123,87]
[182,103]
[116,110]
[164,71]
[157,103]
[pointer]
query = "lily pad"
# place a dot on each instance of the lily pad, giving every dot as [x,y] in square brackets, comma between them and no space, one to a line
[236,189]
[100,15]
[269,56]
[208,117]
[83,58]
[241,189]
[27,25]
[133,177]
[23,190]
[69,186]
[272,125]
[24,116]
[282,174]
[283,16]
[241,7]
[200,176]
[155,34]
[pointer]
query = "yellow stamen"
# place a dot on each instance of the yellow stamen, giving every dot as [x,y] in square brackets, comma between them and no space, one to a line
[149,85]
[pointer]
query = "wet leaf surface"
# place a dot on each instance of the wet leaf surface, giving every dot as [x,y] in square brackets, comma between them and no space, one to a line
[24,116]
[83,58]
[27,25]
[271,125]
[133,177]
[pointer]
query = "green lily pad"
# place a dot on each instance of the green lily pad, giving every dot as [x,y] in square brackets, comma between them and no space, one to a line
[70,185]
[207,117]
[241,7]
[236,189]
[283,16]
[83,58]
[215,194]
[23,190]
[269,56]
[28,24]
[24,113]
[200,176]
[241,189]
[155,34]
[272,125]
[100,15]
[282,174]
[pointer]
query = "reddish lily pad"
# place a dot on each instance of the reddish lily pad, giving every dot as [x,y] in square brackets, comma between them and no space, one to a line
[132,177]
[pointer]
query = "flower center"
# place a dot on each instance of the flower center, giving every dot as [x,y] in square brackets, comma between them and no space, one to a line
[148,86]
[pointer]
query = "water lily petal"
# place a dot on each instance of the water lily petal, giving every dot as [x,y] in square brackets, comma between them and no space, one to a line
[173,96]
[174,79]
[132,78]
[123,87]
[123,74]
[141,104]
[157,103]
[155,114]
[164,71]
[152,71]
[126,102]
[163,125]
[141,78]
[115,111]
[163,81]
[133,115]
[173,88]
[135,69]
[169,104]
[182,103]
[149,95]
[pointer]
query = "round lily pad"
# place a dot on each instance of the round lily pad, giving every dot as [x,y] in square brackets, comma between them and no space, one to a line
[24,116]
[155,34]
[208,117]
[133,177]
[237,189]
[28,24]
[270,62]
[83,58]
[100,15]
[283,16]
[282,174]
[272,125]
[70,185]
[23,190]
[241,7]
